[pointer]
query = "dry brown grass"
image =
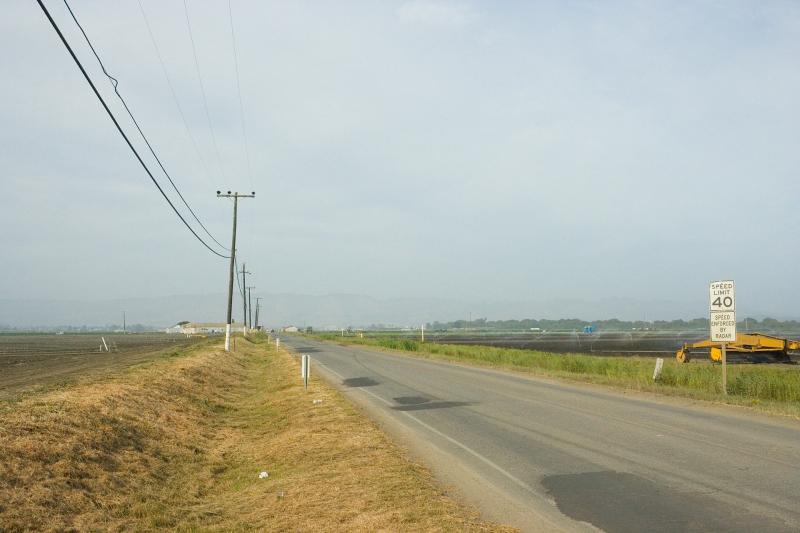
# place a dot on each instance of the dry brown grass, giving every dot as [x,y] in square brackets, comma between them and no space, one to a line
[178,444]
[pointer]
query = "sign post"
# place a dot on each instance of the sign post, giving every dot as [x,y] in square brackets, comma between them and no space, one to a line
[722,310]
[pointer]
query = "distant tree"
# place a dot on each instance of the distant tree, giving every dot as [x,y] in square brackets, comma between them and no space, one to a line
[770,324]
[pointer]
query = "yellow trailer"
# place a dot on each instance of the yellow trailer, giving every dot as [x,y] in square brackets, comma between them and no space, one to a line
[756,347]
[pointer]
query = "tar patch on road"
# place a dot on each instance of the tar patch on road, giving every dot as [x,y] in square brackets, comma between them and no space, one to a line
[419,403]
[359,382]
[621,502]
[411,400]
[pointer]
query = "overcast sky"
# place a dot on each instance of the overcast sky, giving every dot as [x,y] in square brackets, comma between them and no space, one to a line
[474,150]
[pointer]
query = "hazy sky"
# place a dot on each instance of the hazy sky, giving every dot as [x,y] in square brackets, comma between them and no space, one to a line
[475,150]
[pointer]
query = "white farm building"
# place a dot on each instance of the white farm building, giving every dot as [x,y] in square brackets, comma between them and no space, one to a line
[204,328]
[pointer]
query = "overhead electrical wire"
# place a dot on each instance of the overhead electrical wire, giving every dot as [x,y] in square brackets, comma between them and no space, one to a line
[115,84]
[241,105]
[203,90]
[239,93]
[238,283]
[236,264]
[174,93]
[120,130]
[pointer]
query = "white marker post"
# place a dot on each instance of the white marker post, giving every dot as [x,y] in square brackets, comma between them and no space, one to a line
[722,304]
[422,333]
[104,343]
[305,369]
[657,370]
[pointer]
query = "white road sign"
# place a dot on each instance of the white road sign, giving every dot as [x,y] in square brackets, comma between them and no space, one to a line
[722,296]
[722,304]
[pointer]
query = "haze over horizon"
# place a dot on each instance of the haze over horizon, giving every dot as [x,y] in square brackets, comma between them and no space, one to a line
[342,310]
[423,149]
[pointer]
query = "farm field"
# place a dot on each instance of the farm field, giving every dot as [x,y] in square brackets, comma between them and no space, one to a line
[29,362]
[645,343]
[614,343]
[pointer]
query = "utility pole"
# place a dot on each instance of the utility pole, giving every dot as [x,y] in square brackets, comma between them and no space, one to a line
[250,307]
[232,268]
[258,307]
[244,299]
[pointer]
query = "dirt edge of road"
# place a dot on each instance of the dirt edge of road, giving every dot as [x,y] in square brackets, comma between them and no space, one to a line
[214,441]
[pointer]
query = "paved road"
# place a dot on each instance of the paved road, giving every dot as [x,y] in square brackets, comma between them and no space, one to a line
[544,456]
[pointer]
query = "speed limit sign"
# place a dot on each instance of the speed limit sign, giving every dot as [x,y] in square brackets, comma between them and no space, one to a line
[722,296]
[722,304]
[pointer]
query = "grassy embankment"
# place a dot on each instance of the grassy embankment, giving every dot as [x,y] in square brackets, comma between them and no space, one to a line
[772,388]
[178,443]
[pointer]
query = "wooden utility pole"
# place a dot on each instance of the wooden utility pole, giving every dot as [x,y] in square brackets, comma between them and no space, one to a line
[244,299]
[258,307]
[232,268]
[249,307]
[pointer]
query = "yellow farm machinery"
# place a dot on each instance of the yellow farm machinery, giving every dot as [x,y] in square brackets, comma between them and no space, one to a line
[752,347]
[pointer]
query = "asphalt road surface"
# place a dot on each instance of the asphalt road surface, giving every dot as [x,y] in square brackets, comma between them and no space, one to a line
[545,456]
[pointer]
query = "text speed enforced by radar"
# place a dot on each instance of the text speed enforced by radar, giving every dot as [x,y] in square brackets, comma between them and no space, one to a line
[722,304]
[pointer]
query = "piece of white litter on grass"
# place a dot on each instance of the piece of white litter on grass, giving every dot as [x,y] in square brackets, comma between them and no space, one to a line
[317,402]
[263,475]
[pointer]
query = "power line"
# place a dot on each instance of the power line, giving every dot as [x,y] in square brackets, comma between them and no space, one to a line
[238,283]
[119,128]
[239,93]
[173,92]
[115,84]
[241,103]
[236,262]
[202,89]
